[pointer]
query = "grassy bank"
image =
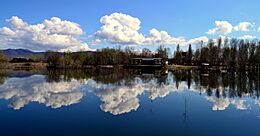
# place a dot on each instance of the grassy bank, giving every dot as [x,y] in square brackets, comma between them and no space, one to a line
[26,65]
[180,67]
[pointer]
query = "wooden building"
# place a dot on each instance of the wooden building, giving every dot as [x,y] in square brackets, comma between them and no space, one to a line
[21,60]
[145,62]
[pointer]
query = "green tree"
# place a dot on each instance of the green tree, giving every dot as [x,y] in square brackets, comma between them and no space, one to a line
[197,56]
[204,57]
[252,51]
[233,53]
[213,52]
[146,53]
[178,55]
[189,55]
[67,59]
[243,54]
[105,56]
[219,53]
[163,52]
[53,58]
[226,56]
[79,58]
[89,59]
[257,55]
[37,58]
[3,58]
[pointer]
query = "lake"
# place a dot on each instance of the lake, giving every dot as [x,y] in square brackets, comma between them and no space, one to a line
[129,102]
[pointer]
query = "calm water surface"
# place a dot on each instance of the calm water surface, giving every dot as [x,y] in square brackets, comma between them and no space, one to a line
[129,102]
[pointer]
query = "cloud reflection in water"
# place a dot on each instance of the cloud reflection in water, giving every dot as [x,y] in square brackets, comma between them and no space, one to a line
[34,89]
[118,98]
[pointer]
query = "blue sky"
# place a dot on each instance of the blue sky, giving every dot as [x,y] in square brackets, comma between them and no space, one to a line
[185,19]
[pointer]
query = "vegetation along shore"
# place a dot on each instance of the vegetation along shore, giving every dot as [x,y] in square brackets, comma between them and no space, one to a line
[227,54]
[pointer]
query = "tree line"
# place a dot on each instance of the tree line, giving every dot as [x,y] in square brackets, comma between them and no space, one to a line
[105,56]
[230,84]
[231,53]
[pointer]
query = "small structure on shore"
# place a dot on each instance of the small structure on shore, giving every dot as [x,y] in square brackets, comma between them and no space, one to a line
[145,62]
[21,60]
[205,66]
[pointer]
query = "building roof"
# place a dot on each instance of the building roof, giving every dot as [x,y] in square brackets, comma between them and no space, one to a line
[146,58]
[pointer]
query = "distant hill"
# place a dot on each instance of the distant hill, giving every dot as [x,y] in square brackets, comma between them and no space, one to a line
[13,53]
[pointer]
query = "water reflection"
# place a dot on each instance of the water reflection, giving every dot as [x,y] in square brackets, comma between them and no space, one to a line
[123,97]
[119,90]
[223,103]
[22,91]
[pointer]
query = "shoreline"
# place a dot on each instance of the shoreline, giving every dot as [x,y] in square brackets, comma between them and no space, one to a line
[44,66]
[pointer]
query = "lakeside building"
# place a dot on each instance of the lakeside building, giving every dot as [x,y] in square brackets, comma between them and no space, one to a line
[21,60]
[146,62]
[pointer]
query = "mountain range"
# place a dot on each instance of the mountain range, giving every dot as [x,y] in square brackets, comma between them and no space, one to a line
[13,53]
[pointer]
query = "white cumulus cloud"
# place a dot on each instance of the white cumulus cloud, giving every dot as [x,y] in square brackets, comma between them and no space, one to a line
[6,31]
[124,29]
[222,27]
[53,34]
[243,26]
[96,42]
[120,28]
[247,37]
[198,40]
[157,37]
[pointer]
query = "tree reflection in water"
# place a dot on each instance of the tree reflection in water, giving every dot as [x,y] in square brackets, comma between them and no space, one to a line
[2,77]
[119,89]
